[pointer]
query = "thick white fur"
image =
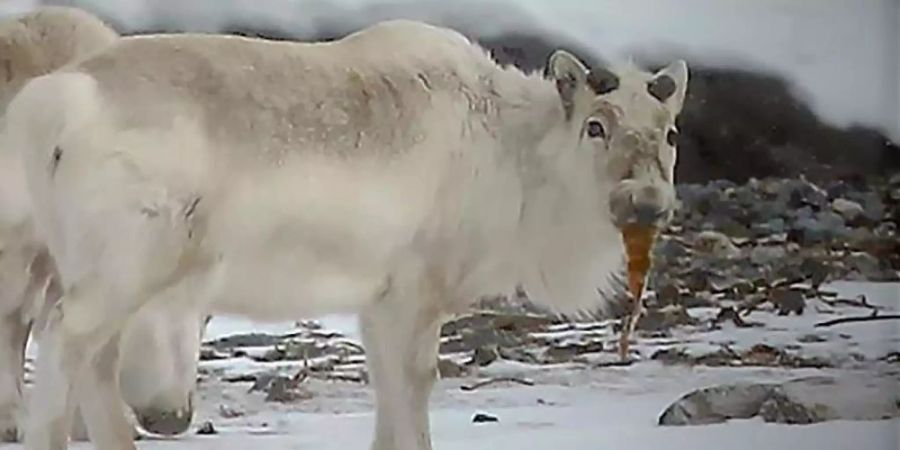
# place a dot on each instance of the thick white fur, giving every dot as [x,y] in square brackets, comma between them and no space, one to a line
[398,173]
[159,347]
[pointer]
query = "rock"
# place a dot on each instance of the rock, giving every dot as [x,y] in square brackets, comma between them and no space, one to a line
[488,329]
[261,382]
[227,412]
[821,228]
[814,270]
[271,355]
[778,408]
[484,418]
[894,180]
[788,301]
[299,350]
[870,396]
[665,318]
[716,404]
[697,279]
[211,354]
[873,208]
[669,248]
[863,263]
[766,254]
[246,340]
[716,244]
[206,429]
[286,390]
[667,294]
[447,368]
[568,352]
[671,356]
[483,356]
[848,209]
[760,355]
[811,339]
[730,315]
[798,401]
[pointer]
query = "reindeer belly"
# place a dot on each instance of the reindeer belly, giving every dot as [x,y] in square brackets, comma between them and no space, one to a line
[308,240]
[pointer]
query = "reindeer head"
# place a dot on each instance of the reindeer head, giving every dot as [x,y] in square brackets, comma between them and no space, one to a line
[625,121]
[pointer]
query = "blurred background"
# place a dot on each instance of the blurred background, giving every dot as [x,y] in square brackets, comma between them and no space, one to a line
[778,88]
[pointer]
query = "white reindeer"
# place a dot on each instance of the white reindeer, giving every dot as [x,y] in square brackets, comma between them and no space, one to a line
[160,346]
[398,173]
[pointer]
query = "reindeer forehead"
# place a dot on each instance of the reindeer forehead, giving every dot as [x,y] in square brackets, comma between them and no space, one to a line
[627,95]
[632,109]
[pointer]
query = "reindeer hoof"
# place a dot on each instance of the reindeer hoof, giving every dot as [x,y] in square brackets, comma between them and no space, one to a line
[9,434]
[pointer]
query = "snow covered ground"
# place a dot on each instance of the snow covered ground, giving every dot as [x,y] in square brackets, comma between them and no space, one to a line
[575,407]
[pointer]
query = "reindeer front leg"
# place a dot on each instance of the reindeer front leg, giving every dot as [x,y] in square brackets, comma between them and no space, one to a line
[101,402]
[13,339]
[401,335]
[78,354]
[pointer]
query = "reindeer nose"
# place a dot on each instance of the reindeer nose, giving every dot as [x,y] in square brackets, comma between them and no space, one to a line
[638,205]
[167,423]
[648,214]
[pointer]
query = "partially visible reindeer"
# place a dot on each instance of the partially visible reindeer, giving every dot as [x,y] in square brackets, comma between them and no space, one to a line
[398,173]
[160,347]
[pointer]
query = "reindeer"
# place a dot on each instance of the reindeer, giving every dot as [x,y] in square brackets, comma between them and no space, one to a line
[160,347]
[398,173]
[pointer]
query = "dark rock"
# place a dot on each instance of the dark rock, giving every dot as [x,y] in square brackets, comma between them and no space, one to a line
[672,356]
[873,207]
[206,429]
[483,357]
[864,264]
[778,408]
[484,418]
[670,248]
[811,338]
[697,300]
[242,378]
[715,244]
[788,301]
[211,354]
[730,315]
[668,294]
[568,352]
[799,401]
[286,390]
[227,412]
[295,350]
[767,254]
[848,209]
[521,355]
[449,369]
[272,355]
[716,404]
[245,340]
[664,319]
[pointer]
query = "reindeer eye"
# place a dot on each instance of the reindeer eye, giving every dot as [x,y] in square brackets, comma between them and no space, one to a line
[595,129]
[672,137]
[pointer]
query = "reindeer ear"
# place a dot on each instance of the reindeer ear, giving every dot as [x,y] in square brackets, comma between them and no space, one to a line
[569,74]
[669,85]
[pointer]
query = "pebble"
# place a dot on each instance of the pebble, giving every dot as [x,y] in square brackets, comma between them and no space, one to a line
[484,418]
